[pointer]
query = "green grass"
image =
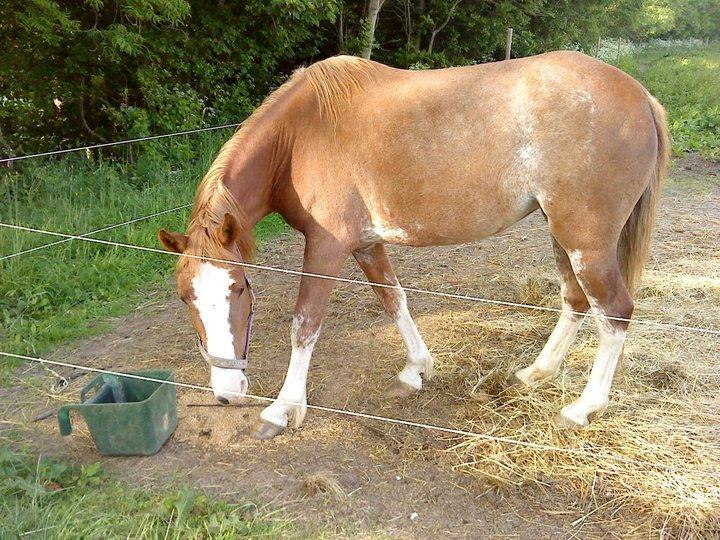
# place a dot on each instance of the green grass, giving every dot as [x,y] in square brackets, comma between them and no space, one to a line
[66,291]
[44,498]
[686,82]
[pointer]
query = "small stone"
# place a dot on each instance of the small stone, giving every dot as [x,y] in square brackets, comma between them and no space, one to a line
[413,516]
[398,478]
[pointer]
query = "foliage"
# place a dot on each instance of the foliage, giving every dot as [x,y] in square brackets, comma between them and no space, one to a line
[57,293]
[686,83]
[99,69]
[438,33]
[55,500]
[676,19]
[91,70]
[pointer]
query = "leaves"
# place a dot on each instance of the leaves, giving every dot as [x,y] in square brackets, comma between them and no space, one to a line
[143,66]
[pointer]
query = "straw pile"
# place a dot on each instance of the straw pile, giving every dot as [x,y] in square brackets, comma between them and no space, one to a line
[654,455]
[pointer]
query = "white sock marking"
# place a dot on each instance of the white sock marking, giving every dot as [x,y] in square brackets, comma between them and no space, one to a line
[419,359]
[292,398]
[596,395]
[548,362]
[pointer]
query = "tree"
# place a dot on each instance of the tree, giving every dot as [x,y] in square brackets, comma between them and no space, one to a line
[103,69]
[89,70]
[373,10]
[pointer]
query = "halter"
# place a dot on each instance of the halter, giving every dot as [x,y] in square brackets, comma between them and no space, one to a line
[233,363]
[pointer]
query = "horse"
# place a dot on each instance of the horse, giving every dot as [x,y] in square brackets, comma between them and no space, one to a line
[355,154]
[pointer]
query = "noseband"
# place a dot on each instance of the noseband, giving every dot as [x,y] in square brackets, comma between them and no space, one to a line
[233,363]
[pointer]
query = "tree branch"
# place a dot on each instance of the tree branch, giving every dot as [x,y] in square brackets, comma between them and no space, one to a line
[85,124]
[439,29]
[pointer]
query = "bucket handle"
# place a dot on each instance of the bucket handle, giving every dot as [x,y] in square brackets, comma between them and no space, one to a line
[96,384]
[101,385]
[63,416]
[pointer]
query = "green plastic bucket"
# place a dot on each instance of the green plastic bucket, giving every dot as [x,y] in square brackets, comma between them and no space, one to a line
[126,416]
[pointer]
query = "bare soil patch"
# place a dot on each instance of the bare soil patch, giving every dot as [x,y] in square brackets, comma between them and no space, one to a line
[350,477]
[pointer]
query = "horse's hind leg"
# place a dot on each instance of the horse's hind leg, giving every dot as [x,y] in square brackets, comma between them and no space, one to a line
[598,273]
[376,265]
[547,365]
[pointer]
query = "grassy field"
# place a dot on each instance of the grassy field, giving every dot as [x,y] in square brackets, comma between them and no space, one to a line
[43,498]
[69,291]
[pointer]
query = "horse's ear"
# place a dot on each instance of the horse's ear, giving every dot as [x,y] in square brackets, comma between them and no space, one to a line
[173,241]
[229,231]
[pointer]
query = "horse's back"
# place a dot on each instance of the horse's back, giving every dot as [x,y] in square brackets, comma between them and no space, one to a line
[451,155]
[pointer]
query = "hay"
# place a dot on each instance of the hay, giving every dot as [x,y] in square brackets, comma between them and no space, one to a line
[322,483]
[653,457]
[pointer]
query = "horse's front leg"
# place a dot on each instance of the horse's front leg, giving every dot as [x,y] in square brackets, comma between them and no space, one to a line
[291,403]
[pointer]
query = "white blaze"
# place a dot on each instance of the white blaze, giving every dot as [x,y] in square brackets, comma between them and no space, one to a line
[212,300]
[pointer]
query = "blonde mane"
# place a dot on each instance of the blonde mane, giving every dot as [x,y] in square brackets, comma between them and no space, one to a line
[334,81]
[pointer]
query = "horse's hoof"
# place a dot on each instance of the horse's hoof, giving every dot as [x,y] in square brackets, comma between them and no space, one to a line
[563,423]
[517,383]
[264,431]
[400,389]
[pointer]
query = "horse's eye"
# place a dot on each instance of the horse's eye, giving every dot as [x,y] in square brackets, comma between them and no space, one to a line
[240,291]
[183,300]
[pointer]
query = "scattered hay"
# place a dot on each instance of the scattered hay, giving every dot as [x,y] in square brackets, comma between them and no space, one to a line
[540,292]
[653,457]
[322,483]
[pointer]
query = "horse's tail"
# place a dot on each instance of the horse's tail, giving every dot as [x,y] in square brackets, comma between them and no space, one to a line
[634,243]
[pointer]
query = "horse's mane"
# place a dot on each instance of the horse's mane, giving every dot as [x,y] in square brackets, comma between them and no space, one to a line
[333,81]
[336,80]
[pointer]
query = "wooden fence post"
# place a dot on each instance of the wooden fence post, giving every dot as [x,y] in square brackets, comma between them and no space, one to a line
[508,43]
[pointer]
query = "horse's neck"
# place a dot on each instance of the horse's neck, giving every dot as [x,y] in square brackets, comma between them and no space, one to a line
[260,165]
[250,174]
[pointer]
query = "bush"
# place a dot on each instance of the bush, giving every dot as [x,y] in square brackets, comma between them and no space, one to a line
[686,82]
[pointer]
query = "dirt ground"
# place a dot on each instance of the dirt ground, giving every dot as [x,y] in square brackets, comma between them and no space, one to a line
[395,481]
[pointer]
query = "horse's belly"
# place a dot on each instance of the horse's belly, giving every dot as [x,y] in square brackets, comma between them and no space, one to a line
[444,223]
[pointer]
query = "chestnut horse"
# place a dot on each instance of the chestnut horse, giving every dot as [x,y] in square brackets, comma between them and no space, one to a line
[355,154]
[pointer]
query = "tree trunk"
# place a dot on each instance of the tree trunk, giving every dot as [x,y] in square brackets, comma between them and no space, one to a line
[370,22]
[84,123]
[7,149]
[421,11]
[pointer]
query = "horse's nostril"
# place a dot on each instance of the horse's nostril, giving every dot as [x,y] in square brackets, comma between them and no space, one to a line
[223,400]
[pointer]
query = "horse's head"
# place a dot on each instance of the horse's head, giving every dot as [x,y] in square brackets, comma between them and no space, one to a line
[220,301]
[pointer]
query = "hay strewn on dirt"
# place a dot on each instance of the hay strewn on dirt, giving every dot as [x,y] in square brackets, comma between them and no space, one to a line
[664,411]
